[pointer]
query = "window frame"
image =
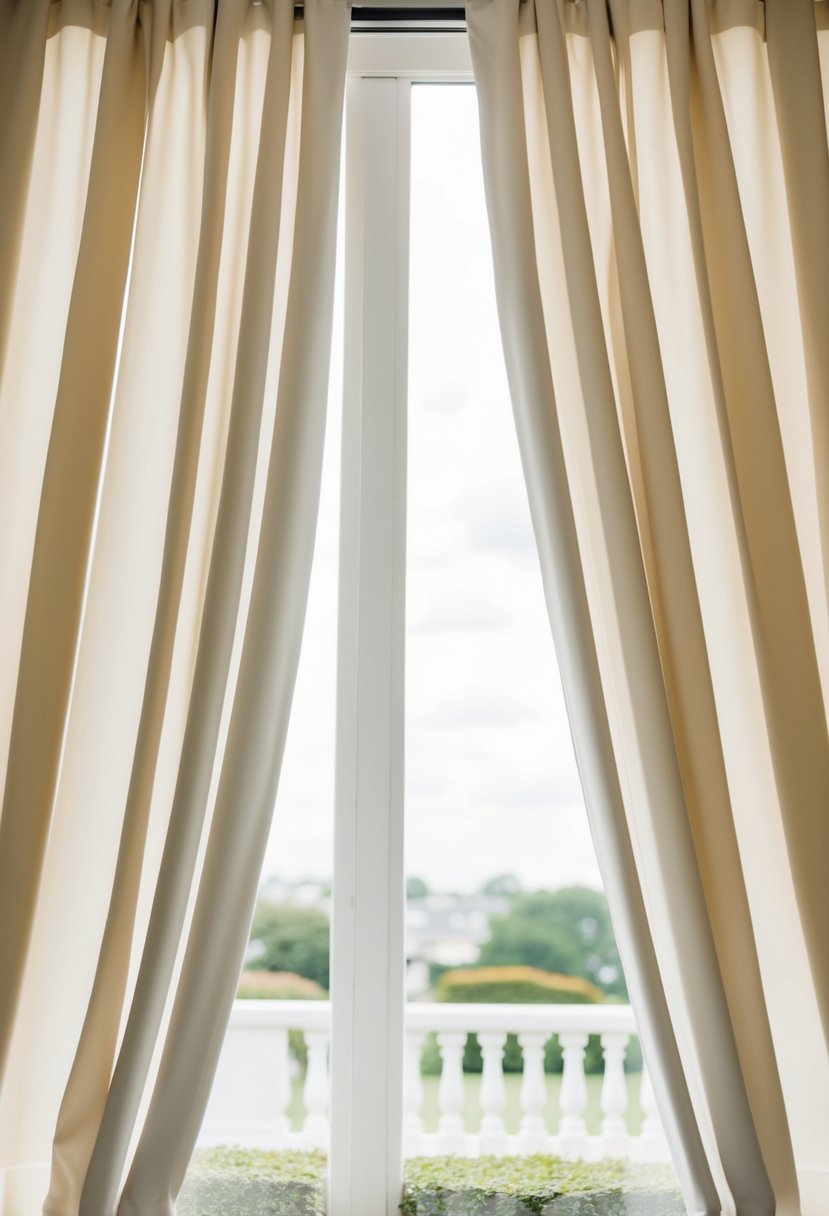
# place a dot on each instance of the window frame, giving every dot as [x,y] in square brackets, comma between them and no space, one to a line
[365,1175]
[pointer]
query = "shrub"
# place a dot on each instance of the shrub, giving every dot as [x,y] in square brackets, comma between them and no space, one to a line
[517,986]
[239,1182]
[222,1181]
[278,986]
[566,931]
[537,1186]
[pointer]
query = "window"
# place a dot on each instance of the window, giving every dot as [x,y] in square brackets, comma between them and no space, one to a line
[414,441]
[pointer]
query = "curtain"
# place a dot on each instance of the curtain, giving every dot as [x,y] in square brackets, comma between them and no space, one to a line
[169,175]
[657,183]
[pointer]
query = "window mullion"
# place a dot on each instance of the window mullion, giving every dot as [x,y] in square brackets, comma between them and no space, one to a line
[365,1175]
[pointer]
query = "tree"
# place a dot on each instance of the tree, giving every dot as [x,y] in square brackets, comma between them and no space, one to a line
[566,931]
[416,888]
[293,939]
[505,885]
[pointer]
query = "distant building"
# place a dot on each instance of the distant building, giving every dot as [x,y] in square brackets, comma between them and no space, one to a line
[440,928]
[448,930]
[304,893]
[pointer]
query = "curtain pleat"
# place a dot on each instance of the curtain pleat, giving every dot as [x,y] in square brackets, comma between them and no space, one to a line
[493,36]
[676,609]
[40,297]
[22,48]
[215,638]
[173,201]
[197,242]
[68,498]
[668,823]
[794,66]
[702,622]
[261,706]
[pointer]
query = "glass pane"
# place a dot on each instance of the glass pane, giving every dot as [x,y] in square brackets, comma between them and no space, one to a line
[504,898]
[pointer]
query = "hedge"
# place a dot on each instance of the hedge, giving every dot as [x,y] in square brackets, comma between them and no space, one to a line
[242,1182]
[278,986]
[537,1186]
[238,1182]
[515,986]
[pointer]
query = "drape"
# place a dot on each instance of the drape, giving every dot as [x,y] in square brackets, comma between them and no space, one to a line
[657,183]
[169,175]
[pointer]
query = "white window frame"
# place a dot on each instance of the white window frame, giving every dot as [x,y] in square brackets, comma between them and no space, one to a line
[366,1153]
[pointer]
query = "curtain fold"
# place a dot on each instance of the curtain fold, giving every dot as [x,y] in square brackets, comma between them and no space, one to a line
[68,498]
[195,254]
[632,314]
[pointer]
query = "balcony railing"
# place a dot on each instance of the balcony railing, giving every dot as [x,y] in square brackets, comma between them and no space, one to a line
[253,1088]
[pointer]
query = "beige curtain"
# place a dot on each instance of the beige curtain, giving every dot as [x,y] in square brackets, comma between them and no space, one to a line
[166,287]
[657,181]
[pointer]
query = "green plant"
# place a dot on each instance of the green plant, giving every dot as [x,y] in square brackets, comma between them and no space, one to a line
[239,1182]
[566,931]
[291,939]
[537,1186]
[516,986]
[278,986]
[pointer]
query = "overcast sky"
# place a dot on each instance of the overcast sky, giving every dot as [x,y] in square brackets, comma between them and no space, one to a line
[491,782]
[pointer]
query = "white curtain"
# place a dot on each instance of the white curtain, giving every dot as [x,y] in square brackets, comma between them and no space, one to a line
[657,181]
[169,175]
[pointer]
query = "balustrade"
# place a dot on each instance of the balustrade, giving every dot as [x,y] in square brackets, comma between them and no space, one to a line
[251,1098]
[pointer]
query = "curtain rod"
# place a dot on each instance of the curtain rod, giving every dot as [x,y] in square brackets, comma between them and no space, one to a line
[403,14]
[444,16]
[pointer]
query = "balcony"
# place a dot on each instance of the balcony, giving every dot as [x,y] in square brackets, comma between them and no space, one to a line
[255,1104]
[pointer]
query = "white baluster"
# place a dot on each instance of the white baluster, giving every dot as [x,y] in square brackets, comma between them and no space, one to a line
[573,1130]
[412,1094]
[316,1092]
[451,1137]
[532,1134]
[651,1145]
[283,1088]
[493,1134]
[614,1096]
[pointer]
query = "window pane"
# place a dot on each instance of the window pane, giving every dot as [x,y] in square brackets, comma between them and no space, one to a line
[492,786]
[504,898]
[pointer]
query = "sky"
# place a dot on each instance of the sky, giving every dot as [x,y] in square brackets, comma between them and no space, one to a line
[491,781]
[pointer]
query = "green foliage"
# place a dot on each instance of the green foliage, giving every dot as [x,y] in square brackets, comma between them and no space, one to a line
[293,939]
[416,888]
[231,1181]
[278,986]
[238,1182]
[436,970]
[504,885]
[566,931]
[515,986]
[537,1186]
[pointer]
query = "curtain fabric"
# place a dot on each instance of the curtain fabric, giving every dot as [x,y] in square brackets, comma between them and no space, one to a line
[657,182]
[166,297]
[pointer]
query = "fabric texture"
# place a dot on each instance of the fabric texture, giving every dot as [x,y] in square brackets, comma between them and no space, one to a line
[657,182]
[166,294]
